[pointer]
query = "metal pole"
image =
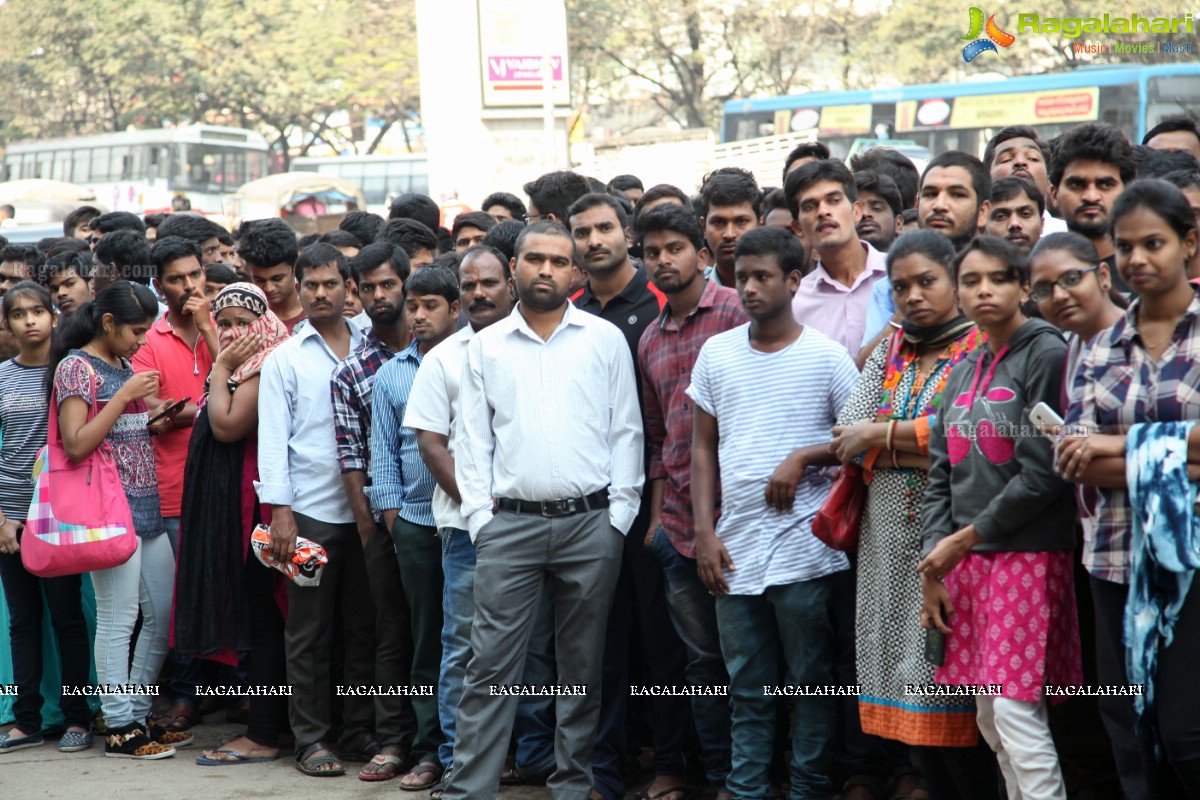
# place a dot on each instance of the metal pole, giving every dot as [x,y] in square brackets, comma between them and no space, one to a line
[550,14]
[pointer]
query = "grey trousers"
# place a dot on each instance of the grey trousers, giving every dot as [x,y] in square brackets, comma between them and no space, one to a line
[582,554]
[308,635]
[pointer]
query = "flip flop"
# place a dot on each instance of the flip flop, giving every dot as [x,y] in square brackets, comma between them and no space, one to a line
[383,760]
[421,770]
[238,758]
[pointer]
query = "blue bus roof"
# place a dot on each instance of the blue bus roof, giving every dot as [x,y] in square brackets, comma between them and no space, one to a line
[1106,75]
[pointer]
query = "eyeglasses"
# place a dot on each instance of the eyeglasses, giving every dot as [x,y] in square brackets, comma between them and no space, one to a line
[1071,278]
[532,218]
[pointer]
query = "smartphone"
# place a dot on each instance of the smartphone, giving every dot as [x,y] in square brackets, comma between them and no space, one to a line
[171,409]
[1044,416]
[935,646]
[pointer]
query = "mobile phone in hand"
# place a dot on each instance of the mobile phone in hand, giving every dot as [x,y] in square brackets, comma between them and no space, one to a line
[1046,418]
[171,409]
[935,647]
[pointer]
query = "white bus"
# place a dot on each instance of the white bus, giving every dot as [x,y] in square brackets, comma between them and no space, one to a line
[380,176]
[140,171]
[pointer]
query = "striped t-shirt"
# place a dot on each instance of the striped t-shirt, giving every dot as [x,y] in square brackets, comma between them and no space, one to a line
[766,406]
[23,414]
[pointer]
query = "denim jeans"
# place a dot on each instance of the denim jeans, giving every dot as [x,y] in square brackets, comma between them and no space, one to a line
[792,622]
[146,581]
[534,727]
[694,613]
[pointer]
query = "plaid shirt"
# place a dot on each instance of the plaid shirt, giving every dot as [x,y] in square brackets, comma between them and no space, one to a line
[666,355]
[1118,385]
[351,392]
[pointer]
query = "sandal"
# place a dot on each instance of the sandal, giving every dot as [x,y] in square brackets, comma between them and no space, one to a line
[387,768]
[179,717]
[312,765]
[236,758]
[420,771]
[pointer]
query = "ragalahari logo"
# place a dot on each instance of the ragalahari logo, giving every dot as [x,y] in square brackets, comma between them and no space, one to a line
[994,37]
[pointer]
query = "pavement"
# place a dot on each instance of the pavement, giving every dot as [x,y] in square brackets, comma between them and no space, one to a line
[43,772]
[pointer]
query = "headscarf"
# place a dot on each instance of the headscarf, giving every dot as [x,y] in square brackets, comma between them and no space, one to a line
[270,330]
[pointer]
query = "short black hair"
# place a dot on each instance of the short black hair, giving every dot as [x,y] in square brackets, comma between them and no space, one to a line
[118,221]
[909,216]
[155,219]
[219,273]
[669,217]
[341,238]
[475,251]
[658,192]
[472,219]
[623,183]
[67,261]
[1014,132]
[545,227]
[930,244]
[168,249]
[1171,124]
[188,226]
[554,192]
[897,166]
[25,253]
[410,235]
[225,237]
[320,255]
[868,180]
[1093,141]
[376,255]
[264,243]
[730,186]
[307,240]
[1159,163]
[364,225]
[772,241]
[434,279]
[1009,187]
[817,150]
[1184,179]
[1164,199]
[127,252]
[44,244]
[421,207]
[66,244]
[772,200]
[595,200]
[1014,258]
[981,180]
[78,217]
[504,237]
[448,260]
[816,172]
[514,204]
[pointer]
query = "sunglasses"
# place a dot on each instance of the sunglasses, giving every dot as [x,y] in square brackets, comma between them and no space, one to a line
[1069,279]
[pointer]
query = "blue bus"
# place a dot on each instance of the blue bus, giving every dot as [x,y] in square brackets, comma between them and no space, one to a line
[963,116]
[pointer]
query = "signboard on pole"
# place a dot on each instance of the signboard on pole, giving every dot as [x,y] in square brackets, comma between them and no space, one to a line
[514,39]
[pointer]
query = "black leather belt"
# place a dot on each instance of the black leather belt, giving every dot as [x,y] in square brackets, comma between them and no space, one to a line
[557,508]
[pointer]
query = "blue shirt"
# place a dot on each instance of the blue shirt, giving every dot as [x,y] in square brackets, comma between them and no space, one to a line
[399,478]
[881,309]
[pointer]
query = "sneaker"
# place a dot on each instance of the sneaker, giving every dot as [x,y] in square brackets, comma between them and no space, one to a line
[131,741]
[161,735]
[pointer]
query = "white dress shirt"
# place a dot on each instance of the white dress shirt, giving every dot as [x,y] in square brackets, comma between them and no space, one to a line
[433,406]
[297,464]
[549,420]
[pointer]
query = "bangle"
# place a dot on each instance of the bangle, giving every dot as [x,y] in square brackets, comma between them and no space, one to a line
[895,463]
[891,430]
[895,324]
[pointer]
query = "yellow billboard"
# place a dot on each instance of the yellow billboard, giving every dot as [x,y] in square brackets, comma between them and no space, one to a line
[1026,108]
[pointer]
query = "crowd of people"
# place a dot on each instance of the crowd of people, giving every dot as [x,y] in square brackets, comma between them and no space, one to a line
[563,462]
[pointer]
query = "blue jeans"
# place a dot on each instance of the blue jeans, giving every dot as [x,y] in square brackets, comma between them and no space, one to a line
[792,622]
[694,614]
[534,727]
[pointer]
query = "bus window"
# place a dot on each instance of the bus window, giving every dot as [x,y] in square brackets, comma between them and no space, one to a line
[44,162]
[100,165]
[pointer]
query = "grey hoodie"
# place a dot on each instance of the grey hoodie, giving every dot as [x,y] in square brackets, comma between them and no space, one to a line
[990,466]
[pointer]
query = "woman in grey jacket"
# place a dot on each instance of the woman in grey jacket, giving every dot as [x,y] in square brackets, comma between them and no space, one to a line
[998,525]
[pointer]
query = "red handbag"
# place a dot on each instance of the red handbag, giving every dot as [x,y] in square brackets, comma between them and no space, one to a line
[836,524]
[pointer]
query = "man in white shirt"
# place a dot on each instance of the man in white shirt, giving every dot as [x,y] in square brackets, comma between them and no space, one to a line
[488,295]
[549,466]
[297,478]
